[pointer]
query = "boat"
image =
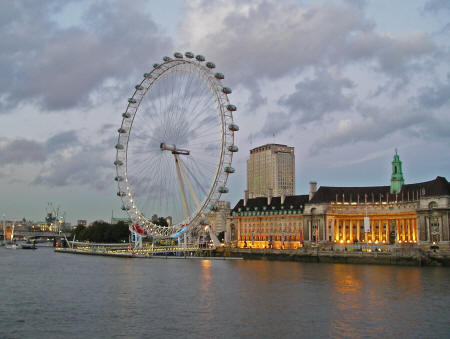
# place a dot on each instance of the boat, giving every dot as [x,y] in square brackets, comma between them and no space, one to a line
[11,246]
[28,245]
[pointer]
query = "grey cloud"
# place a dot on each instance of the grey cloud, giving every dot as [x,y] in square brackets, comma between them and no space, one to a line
[313,98]
[17,152]
[276,123]
[20,151]
[437,5]
[394,54]
[273,39]
[87,167]
[380,122]
[107,129]
[436,96]
[62,140]
[60,68]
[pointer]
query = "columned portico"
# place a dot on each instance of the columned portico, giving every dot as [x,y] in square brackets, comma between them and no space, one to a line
[348,229]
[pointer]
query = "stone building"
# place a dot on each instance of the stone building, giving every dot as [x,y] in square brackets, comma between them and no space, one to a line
[217,219]
[399,214]
[271,167]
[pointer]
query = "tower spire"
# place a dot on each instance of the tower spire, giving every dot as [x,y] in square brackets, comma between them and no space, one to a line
[397,180]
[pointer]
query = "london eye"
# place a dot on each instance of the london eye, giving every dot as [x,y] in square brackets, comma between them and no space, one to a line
[175,146]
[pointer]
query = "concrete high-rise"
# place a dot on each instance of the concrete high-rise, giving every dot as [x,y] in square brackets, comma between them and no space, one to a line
[271,171]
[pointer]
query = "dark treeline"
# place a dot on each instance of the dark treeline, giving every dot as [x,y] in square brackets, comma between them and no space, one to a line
[102,232]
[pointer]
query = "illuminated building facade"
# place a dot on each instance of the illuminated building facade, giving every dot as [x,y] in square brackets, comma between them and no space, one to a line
[271,167]
[416,214]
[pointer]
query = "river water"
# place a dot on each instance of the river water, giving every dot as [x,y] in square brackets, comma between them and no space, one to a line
[52,295]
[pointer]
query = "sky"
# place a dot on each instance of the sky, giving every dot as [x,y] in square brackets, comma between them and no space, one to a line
[344,82]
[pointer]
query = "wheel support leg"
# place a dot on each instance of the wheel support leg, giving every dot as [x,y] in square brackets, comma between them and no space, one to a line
[180,182]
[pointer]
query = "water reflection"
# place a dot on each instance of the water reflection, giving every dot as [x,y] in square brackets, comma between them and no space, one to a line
[105,297]
[365,298]
[266,272]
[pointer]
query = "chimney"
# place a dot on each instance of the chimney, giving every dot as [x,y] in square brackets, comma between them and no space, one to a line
[283,196]
[312,189]
[245,197]
[269,196]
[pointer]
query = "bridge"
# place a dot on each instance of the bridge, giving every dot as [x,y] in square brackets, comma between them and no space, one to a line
[37,234]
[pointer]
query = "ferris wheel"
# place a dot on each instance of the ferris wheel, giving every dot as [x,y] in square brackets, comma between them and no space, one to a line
[175,146]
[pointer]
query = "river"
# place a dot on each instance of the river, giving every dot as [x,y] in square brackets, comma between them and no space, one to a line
[52,295]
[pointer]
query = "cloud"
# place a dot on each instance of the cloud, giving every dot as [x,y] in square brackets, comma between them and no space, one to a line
[274,39]
[435,96]
[88,167]
[61,160]
[314,98]
[62,140]
[394,54]
[21,151]
[276,123]
[61,67]
[437,5]
[379,122]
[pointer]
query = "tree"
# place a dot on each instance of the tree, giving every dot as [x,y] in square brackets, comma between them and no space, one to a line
[102,232]
[161,221]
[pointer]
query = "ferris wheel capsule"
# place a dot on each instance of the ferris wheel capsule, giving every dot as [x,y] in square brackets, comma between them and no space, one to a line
[223,189]
[200,58]
[166,58]
[233,148]
[229,169]
[178,55]
[189,55]
[226,90]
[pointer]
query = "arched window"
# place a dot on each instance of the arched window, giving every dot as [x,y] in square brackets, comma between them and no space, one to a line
[432,205]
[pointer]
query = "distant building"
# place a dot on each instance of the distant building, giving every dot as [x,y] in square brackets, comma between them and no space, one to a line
[217,219]
[271,168]
[413,215]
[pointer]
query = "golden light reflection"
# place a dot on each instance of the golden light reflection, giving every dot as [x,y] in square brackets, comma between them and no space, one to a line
[206,274]
[205,283]
[362,293]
